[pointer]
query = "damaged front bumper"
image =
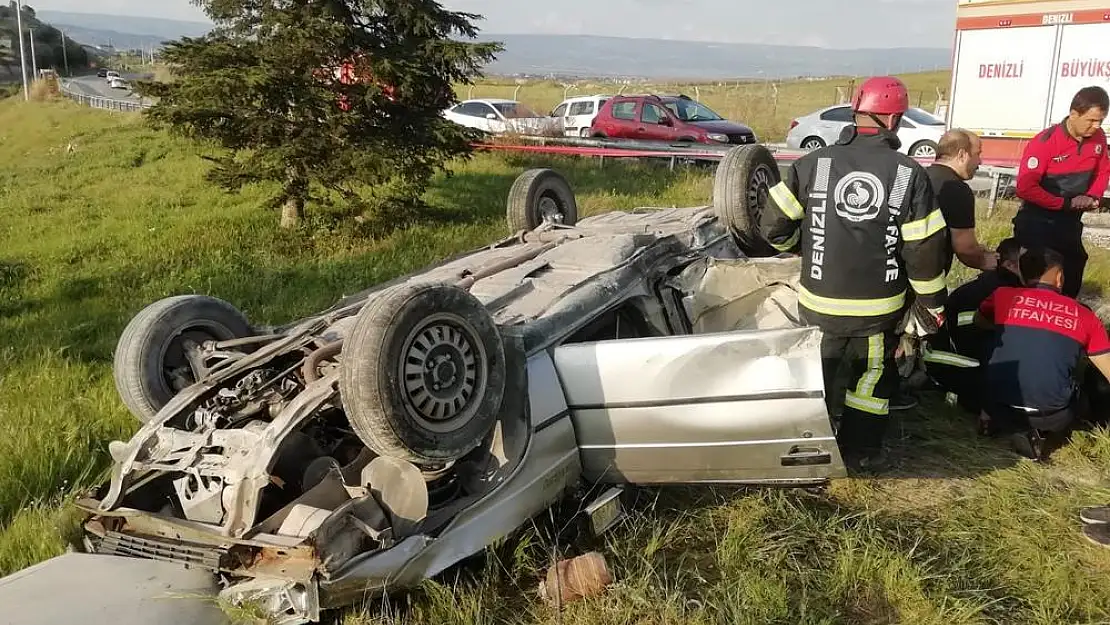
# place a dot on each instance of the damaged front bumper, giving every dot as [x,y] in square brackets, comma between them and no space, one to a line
[278,566]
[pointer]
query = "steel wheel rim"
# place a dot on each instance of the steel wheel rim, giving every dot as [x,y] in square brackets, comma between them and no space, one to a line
[924,151]
[442,372]
[174,358]
[811,144]
[759,188]
[550,209]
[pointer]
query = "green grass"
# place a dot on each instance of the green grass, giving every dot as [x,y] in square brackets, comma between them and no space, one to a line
[766,106]
[103,216]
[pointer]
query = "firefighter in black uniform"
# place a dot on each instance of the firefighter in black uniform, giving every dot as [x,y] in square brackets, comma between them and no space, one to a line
[867,225]
[957,354]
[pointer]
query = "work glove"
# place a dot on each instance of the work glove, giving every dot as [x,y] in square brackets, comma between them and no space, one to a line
[917,323]
[921,321]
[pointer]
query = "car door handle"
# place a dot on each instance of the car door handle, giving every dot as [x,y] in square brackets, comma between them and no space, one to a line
[805,456]
[642,129]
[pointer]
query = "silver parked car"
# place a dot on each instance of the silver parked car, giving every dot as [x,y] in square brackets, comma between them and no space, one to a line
[370,446]
[919,132]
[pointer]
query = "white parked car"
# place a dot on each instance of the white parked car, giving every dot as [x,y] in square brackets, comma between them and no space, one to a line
[577,113]
[112,75]
[920,130]
[500,116]
[118,83]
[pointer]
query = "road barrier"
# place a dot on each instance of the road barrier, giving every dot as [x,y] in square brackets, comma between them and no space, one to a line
[1000,176]
[107,104]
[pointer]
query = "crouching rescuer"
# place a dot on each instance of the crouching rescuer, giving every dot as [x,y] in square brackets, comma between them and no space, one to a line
[864,219]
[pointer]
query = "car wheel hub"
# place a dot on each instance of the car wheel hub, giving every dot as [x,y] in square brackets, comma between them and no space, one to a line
[183,356]
[549,210]
[758,190]
[441,371]
[925,151]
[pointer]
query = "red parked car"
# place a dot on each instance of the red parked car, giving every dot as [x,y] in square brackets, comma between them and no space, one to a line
[666,118]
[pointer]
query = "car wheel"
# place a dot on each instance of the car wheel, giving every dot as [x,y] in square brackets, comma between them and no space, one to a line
[812,143]
[584,133]
[152,359]
[539,196]
[423,373]
[924,149]
[741,189]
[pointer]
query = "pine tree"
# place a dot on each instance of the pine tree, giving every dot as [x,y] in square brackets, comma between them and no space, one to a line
[272,86]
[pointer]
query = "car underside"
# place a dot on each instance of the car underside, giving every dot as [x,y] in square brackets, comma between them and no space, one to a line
[374,444]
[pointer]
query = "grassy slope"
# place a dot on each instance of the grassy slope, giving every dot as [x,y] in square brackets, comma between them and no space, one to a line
[103,216]
[755,104]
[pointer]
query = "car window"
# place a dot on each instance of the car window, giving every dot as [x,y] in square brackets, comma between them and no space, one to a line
[601,103]
[515,110]
[652,114]
[560,110]
[582,108]
[473,109]
[923,118]
[625,109]
[838,114]
[690,111]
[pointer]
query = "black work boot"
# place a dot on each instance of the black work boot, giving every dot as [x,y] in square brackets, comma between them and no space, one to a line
[1097,533]
[1095,515]
[1030,444]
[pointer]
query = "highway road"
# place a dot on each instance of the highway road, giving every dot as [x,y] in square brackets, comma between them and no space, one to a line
[94,86]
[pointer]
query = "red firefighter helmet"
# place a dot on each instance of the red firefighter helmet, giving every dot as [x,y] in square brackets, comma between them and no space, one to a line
[881,95]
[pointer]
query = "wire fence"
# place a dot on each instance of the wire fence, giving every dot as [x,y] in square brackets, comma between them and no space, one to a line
[107,104]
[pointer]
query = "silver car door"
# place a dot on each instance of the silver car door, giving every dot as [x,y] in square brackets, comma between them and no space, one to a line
[740,407]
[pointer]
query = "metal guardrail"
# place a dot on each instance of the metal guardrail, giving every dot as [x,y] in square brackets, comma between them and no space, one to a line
[107,104]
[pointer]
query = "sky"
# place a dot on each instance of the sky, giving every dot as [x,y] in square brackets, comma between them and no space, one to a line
[823,23]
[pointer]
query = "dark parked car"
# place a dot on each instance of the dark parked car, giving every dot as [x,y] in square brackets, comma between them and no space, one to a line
[667,118]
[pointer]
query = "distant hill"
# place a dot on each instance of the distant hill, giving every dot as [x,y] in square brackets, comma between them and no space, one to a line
[49,50]
[150,27]
[581,55]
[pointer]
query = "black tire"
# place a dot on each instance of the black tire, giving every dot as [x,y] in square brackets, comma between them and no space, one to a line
[813,142]
[152,345]
[929,147]
[538,194]
[740,194]
[385,381]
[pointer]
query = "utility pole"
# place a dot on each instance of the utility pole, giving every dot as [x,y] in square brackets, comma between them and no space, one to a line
[65,55]
[34,57]
[22,52]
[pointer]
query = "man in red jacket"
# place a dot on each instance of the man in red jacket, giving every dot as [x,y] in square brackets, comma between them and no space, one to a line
[1040,338]
[1064,171]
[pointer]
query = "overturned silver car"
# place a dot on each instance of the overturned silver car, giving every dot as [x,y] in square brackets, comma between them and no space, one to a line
[409,426]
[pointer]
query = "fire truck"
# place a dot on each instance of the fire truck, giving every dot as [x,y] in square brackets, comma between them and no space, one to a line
[1017,64]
